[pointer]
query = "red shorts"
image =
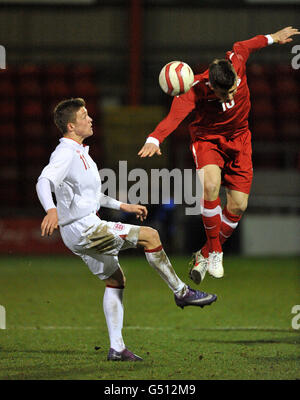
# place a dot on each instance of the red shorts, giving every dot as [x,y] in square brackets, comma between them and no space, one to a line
[233,156]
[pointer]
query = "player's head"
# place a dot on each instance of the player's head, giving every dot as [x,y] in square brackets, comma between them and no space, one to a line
[71,117]
[223,79]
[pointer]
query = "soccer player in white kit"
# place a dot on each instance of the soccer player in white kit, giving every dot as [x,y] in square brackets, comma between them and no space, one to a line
[74,178]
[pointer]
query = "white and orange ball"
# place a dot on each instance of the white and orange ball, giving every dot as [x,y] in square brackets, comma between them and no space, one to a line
[176,78]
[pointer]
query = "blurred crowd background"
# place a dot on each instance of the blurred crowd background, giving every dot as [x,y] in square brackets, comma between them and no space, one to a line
[110,53]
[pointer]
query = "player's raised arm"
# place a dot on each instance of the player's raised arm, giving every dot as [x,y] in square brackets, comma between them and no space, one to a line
[284,35]
[244,48]
[180,109]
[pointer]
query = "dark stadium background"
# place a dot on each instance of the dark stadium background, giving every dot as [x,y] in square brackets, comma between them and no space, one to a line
[110,53]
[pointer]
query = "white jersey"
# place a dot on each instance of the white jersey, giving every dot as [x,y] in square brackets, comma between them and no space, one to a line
[75,180]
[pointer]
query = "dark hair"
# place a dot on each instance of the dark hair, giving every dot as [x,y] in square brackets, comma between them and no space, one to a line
[221,74]
[65,112]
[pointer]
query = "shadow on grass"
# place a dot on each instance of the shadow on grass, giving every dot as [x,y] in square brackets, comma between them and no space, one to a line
[94,366]
[60,352]
[283,340]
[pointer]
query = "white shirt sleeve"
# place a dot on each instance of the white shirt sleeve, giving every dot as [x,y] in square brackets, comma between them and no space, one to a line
[153,140]
[43,188]
[59,165]
[109,202]
[270,39]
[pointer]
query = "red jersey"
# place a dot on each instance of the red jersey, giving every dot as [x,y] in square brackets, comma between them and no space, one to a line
[212,116]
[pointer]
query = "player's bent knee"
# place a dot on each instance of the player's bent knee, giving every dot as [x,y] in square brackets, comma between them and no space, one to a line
[153,237]
[149,237]
[211,190]
[238,208]
[117,280]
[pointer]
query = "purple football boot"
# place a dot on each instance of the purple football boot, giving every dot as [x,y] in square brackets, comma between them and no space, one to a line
[195,298]
[124,355]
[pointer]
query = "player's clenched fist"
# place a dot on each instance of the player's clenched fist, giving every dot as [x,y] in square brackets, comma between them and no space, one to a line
[148,150]
[50,222]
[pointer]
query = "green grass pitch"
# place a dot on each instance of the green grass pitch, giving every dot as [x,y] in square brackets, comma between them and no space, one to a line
[54,321]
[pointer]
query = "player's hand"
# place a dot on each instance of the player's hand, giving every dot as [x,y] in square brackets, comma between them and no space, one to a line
[50,222]
[284,35]
[140,211]
[148,150]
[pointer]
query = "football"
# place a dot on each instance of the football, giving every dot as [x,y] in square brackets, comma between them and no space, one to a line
[176,78]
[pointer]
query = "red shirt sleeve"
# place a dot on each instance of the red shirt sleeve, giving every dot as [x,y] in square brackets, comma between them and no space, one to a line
[243,49]
[181,106]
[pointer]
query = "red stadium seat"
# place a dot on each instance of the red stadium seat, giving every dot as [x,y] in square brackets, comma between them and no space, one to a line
[57,89]
[288,107]
[8,154]
[29,88]
[7,109]
[85,88]
[9,172]
[9,196]
[282,70]
[31,109]
[53,131]
[34,130]
[31,174]
[264,130]
[7,88]
[260,87]
[286,86]
[8,131]
[35,153]
[262,107]
[289,129]
[56,71]
[29,71]
[258,70]
[82,71]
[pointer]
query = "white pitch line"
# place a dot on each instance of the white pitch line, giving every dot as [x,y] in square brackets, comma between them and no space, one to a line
[157,328]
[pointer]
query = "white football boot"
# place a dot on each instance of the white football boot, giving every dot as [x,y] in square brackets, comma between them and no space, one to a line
[199,267]
[215,264]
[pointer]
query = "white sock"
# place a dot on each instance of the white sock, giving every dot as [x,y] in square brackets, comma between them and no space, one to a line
[114,312]
[158,259]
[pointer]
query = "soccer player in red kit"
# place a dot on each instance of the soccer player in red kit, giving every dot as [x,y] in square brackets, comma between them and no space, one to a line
[220,143]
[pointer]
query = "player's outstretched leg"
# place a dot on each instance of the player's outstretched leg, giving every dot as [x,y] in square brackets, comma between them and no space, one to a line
[157,258]
[114,313]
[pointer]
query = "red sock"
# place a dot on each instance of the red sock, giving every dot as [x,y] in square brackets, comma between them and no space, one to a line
[211,218]
[228,225]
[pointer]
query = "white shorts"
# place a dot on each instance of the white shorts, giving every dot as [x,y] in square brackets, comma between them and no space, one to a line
[98,242]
